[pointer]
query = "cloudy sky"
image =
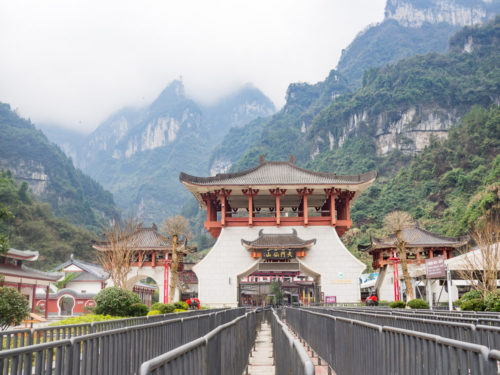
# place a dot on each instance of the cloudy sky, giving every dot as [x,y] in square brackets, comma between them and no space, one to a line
[73,63]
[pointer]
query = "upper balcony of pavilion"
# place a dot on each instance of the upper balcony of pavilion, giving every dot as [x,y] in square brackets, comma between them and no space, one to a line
[277,194]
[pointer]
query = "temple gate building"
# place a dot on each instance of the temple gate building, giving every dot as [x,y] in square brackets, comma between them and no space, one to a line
[277,217]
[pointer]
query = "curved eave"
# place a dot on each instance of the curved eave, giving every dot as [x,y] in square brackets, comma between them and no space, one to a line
[198,189]
[248,245]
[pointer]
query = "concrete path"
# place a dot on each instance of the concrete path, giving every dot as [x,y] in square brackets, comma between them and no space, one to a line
[261,360]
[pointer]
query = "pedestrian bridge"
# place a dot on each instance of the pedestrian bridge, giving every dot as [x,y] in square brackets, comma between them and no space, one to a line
[343,341]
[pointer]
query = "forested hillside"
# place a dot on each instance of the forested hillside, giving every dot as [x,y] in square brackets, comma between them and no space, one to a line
[446,188]
[50,174]
[33,226]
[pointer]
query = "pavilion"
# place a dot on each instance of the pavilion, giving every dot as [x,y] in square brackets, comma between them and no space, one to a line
[277,206]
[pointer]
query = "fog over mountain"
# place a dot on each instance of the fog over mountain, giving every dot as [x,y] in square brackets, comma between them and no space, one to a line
[74,63]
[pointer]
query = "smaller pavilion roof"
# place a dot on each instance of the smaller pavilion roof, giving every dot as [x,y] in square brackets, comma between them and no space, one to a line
[91,271]
[278,241]
[145,238]
[415,238]
[22,254]
[31,273]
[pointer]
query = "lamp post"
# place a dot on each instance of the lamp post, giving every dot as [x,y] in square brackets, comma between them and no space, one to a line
[165,278]
[395,262]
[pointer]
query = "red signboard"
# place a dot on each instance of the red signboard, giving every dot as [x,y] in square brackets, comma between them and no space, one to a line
[331,299]
[435,268]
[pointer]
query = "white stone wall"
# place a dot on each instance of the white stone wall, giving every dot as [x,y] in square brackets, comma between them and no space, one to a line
[89,287]
[218,272]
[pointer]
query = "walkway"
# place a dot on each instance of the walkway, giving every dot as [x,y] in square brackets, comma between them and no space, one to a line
[261,361]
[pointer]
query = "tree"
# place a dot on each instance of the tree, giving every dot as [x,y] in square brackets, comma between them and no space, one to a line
[116,254]
[4,240]
[395,222]
[275,288]
[14,307]
[177,228]
[481,266]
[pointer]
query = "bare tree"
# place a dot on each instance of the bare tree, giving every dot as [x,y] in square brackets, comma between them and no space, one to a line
[176,227]
[395,222]
[480,266]
[115,254]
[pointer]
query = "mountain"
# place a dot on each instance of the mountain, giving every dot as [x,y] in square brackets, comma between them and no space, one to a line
[396,113]
[32,158]
[34,226]
[138,153]
[411,27]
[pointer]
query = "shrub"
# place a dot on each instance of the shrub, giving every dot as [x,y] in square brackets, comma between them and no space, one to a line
[383,303]
[85,319]
[397,305]
[157,306]
[14,307]
[138,309]
[181,305]
[475,304]
[492,301]
[418,303]
[169,308]
[115,301]
[179,310]
[154,312]
[473,294]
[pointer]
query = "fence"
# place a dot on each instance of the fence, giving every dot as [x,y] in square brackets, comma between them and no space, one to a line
[354,347]
[116,351]
[290,357]
[17,338]
[223,351]
[486,335]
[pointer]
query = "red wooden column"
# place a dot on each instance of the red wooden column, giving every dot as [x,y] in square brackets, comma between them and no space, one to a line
[250,193]
[304,193]
[33,300]
[332,192]
[277,193]
[47,301]
[223,194]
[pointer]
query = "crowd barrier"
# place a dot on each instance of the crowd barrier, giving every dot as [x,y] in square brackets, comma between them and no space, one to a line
[290,357]
[353,347]
[116,351]
[486,335]
[17,338]
[223,351]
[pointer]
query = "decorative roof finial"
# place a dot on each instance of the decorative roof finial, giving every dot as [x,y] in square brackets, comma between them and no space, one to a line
[291,159]
[262,158]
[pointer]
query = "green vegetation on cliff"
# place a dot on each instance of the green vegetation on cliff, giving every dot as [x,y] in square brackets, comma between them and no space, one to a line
[33,226]
[29,155]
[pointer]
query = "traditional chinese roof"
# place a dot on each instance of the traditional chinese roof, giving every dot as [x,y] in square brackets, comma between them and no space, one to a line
[90,271]
[278,241]
[416,237]
[22,254]
[277,174]
[147,239]
[30,273]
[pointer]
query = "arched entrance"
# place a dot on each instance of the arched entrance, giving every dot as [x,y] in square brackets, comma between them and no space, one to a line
[66,304]
[297,284]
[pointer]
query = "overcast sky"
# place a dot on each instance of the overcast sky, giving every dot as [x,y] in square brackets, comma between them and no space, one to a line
[73,63]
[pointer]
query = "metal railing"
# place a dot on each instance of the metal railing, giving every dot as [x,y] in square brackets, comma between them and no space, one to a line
[486,335]
[116,351]
[354,347]
[223,351]
[17,338]
[290,357]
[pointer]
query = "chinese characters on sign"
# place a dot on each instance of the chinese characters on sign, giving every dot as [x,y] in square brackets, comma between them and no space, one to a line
[278,254]
[434,268]
[331,299]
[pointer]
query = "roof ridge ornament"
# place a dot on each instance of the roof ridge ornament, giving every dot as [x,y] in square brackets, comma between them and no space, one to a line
[291,159]
[262,158]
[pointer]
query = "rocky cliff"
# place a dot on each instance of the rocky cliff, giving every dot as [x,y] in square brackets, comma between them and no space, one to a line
[415,13]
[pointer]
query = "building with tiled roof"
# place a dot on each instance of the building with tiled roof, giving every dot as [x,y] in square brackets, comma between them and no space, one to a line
[303,214]
[25,279]
[421,244]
